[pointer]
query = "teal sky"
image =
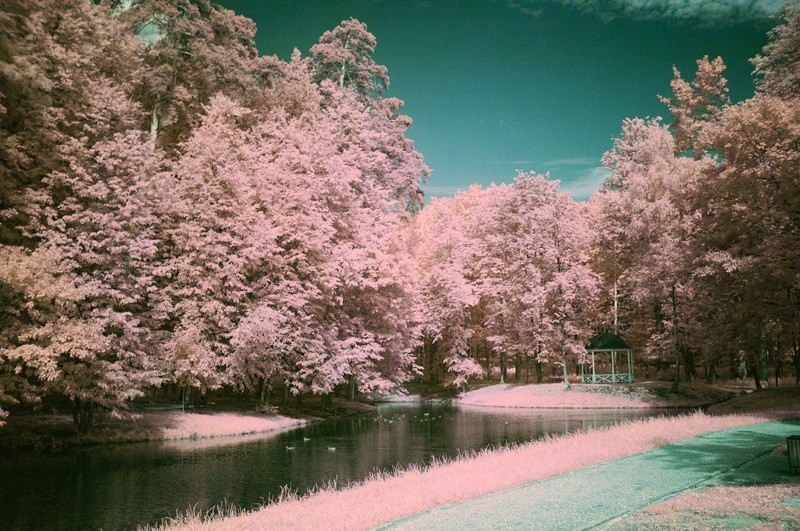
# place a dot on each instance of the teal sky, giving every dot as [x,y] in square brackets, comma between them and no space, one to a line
[499,86]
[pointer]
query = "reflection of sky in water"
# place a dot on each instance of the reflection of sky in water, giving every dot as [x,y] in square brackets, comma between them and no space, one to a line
[125,485]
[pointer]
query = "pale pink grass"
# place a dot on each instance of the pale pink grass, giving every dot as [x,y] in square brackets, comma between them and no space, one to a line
[765,506]
[548,396]
[193,425]
[385,497]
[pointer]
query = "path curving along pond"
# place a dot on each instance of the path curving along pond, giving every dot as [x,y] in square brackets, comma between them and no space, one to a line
[125,486]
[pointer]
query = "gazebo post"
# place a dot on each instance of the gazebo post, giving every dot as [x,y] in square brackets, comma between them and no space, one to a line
[594,378]
[613,365]
[630,368]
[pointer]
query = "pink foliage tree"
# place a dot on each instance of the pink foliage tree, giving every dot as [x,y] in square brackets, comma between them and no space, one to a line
[445,252]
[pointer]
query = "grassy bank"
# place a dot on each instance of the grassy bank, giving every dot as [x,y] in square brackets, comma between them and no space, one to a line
[641,395]
[53,431]
[387,497]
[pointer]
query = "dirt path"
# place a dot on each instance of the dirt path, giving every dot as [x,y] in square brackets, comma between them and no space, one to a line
[600,495]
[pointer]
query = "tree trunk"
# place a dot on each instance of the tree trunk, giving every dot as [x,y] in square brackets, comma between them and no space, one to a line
[487,361]
[326,401]
[761,362]
[351,390]
[503,374]
[539,375]
[198,397]
[564,356]
[756,375]
[689,370]
[517,367]
[262,401]
[82,416]
[796,359]
[677,380]
[154,127]
[427,351]
[527,369]
[616,305]
[711,377]
[342,73]
[184,397]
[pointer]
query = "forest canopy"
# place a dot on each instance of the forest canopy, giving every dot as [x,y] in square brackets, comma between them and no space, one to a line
[178,210]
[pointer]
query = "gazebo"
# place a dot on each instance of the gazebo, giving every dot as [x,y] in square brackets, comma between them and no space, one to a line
[607,343]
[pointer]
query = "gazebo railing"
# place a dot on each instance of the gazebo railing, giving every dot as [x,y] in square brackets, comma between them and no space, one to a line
[620,377]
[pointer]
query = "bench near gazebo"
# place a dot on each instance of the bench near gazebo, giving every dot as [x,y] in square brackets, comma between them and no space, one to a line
[607,344]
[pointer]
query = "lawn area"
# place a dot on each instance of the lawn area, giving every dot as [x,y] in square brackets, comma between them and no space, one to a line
[640,395]
[54,431]
[760,495]
[759,507]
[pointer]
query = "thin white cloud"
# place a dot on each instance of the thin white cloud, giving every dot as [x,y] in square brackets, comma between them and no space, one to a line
[556,163]
[524,8]
[585,183]
[580,185]
[705,12]
[507,162]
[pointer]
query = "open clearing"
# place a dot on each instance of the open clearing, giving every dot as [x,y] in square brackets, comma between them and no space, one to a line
[643,395]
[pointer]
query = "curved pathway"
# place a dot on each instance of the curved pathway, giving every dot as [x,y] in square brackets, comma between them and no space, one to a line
[599,495]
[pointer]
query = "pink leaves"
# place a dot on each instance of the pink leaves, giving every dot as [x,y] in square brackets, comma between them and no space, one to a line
[294,214]
[343,56]
[777,69]
[510,262]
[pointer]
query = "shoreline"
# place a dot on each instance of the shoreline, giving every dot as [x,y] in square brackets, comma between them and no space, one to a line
[53,432]
[637,396]
[415,489]
[194,426]
[387,497]
[589,408]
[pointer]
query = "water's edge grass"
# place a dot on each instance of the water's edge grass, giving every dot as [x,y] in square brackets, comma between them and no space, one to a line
[386,496]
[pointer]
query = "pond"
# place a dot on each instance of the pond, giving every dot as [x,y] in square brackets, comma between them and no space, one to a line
[123,486]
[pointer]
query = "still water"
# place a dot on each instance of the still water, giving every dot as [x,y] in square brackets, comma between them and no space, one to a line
[124,486]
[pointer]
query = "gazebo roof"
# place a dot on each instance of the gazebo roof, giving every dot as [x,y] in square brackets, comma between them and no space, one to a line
[607,341]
